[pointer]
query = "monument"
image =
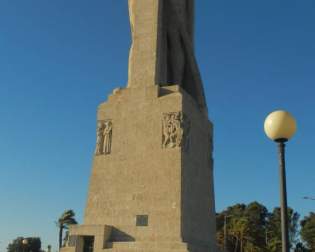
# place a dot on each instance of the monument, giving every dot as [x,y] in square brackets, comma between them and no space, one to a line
[151,187]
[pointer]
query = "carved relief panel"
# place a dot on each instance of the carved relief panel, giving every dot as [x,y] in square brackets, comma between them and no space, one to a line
[175,131]
[104,137]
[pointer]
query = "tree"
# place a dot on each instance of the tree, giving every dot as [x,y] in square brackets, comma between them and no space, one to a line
[239,228]
[256,214]
[273,230]
[308,231]
[300,248]
[245,228]
[66,219]
[33,244]
[231,214]
[251,228]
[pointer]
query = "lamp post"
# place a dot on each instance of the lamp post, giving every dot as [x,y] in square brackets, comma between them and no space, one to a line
[280,126]
[225,231]
[24,243]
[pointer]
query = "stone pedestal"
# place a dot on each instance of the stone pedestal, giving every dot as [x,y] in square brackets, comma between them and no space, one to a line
[153,189]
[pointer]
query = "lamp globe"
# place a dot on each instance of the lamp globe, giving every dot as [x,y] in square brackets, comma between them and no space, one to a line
[280,126]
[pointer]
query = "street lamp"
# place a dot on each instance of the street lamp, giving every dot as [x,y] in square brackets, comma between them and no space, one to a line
[225,231]
[280,126]
[24,243]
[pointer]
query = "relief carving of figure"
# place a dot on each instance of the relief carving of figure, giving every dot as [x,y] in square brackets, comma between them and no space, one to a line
[171,130]
[175,132]
[107,134]
[99,138]
[103,138]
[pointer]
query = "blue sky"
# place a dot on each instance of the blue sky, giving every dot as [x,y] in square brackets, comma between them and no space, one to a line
[60,59]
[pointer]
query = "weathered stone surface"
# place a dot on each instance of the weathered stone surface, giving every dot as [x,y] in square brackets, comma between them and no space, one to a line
[172,186]
[151,187]
[144,16]
[162,51]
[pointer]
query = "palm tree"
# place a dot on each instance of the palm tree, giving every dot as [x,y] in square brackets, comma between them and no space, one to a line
[66,219]
[239,228]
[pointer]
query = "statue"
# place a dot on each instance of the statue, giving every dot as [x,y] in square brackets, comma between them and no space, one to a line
[176,21]
[162,51]
[176,41]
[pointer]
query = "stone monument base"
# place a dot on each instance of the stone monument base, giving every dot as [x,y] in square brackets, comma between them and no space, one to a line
[101,238]
[151,190]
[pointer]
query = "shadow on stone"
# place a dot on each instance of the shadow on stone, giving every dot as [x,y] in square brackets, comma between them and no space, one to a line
[120,236]
[165,91]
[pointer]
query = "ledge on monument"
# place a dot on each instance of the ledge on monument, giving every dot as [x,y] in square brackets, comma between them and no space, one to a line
[147,245]
[153,91]
[169,89]
[85,230]
[157,247]
[140,93]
